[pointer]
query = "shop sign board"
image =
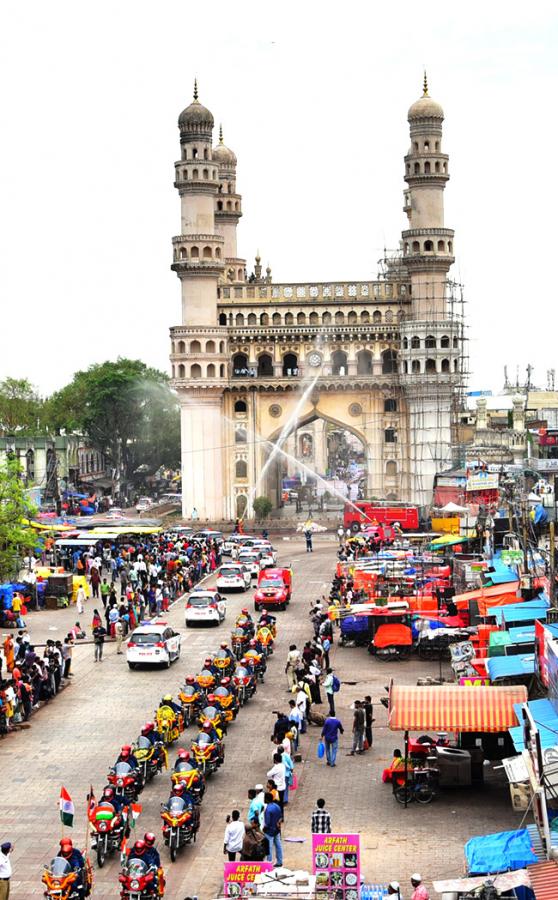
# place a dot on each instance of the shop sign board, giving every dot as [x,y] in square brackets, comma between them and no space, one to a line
[509,557]
[239,877]
[485,481]
[336,865]
[541,642]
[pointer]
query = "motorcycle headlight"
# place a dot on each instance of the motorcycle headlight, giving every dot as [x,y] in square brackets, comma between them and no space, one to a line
[120,782]
[134,885]
[103,826]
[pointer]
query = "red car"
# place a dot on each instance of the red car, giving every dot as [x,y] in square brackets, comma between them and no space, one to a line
[274,589]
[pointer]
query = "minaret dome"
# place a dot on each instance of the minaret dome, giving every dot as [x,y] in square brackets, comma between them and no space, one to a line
[222,154]
[195,121]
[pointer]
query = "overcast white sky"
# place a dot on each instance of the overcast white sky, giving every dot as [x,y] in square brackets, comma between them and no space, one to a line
[313,98]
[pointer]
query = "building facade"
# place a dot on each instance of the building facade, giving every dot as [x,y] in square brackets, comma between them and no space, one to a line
[252,360]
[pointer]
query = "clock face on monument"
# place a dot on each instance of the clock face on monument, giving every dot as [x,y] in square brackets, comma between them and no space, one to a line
[315,359]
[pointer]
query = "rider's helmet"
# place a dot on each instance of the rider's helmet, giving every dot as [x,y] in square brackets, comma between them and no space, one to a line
[149,838]
[223,645]
[184,754]
[206,726]
[108,793]
[66,847]
[178,789]
[207,662]
[147,728]
[244,612]
[225,681]
[211,699]
[244,662]
[190,679]
[167,698]
[139,848]
[252,643]
[125,751]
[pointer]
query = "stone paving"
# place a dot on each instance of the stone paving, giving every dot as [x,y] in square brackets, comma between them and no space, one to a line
[75,738]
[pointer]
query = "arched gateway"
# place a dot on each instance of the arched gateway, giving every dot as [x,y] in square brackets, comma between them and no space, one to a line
[255,362]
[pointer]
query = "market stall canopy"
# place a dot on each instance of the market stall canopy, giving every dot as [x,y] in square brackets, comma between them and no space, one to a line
[453,707]
[453,508]
[505,881]
[544,879]
[546,718]
[511,666]
[500,851]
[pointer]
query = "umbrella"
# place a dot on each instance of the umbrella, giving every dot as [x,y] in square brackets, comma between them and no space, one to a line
[453,508]
[449,540]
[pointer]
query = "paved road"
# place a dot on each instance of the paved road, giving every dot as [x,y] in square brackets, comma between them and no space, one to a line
[75,739]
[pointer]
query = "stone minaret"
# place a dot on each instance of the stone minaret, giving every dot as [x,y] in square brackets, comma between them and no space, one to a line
[228,210]
[431,336]
[199,346]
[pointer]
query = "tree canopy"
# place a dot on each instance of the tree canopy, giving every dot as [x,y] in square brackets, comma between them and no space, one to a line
[15,539]
[21,408]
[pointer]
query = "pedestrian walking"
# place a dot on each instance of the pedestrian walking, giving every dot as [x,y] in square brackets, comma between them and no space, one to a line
[5,869]
[273,818]
[358,729]
[369,718]
[99,639]
[419,890]
[234,835]
[80,600]
[278,773]
[331,730]
[321,819]
[119,635]
[293,662]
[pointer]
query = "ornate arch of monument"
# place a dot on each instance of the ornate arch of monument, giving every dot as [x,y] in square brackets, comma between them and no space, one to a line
[384,355]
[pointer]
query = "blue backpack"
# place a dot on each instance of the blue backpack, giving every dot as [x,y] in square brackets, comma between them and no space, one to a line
[336,684]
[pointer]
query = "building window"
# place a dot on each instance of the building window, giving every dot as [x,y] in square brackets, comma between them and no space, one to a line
[210,347]
[211,370]
[390,436]
[390,405]
[376,317]
[430,366]
[364,362]
[252,319]
[445,365]
[276,319]
[240,406]
[301,319]
[444,341]
[415,343]
[289,319]
[222,318]
[241,468]
[240,365]
[389,362]
[265,365]
[430,342]
[339,364]
[415,367]
[195,347]
[290,365]
[195,371]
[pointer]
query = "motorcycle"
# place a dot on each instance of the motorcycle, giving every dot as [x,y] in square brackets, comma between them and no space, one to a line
[150,757]
[227,703]
[169,724]
[64,883]
[245,624]
[127,782]
[224,664]
[239,642]
[257,660]
[245,681]
[181,821]
[209,755]
[214,715]
[206,680]
[138,881]
[108,828]
[192,700]
[191,776]
[265,637]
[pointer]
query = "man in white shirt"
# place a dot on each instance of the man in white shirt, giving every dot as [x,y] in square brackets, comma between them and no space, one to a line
[5,870]
[279,775]
[234,836]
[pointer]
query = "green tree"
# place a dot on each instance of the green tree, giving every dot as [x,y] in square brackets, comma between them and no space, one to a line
[262,507]
[15,538]
[21,408]
[126,409]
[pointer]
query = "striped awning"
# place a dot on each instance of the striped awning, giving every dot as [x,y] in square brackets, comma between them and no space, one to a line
[453,707]
[544,880]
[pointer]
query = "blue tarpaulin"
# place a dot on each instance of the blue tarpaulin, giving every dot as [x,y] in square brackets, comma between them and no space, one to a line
[510,666]
[499,852]
[522,635]
[527,611]
[546,718]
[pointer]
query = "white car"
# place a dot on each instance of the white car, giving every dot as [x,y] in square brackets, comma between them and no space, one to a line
[143,504]
[269,556]
[153,643]
[114,513]
[205,607]
[252,559]
[235,541]
[233,575]
[207,534]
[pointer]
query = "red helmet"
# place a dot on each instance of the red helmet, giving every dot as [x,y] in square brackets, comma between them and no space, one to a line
[125,750]
[190,679]
[225,681]
[66,846]
[139,847]
[253,642]
[244,612]
[206,725]
[149,838]
[211,698]
[179,788]
[183,754]
[207,661]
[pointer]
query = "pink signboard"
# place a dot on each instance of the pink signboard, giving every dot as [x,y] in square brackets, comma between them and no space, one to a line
[336,865]
[239,877]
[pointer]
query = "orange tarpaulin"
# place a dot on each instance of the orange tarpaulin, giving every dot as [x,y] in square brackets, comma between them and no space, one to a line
[454,707]
[393,636]
[496,595]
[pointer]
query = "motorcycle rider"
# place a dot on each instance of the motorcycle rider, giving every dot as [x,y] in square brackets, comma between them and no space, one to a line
[76,862]
[256,644]
[266,619]
[226,651]
[168,701]
[155,738]
[127,756]
[183,756]
[109,795]
[231,687]
[209,667]
[151,855]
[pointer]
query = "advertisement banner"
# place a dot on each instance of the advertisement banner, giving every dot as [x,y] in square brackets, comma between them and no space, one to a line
[239,877]
[541,665]
[336,865]
[483,481]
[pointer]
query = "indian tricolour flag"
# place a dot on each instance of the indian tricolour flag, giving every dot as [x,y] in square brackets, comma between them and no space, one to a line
[66,808]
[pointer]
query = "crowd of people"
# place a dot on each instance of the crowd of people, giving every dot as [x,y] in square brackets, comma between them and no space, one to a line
[32,678]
